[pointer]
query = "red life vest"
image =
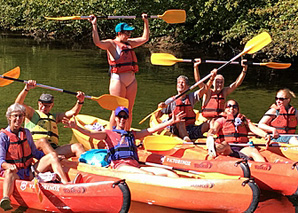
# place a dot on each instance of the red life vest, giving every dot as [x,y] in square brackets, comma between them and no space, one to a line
[186,107]
[285,121]
[215,106]
[234,132]
[19,151]
[121,145]
[127,60]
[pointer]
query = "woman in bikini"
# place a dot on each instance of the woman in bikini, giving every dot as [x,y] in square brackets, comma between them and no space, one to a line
[122,61]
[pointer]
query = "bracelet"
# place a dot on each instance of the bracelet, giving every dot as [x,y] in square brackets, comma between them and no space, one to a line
[81,102]
[244,71]
[26,90]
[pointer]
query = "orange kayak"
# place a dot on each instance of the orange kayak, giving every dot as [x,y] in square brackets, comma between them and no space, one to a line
[104,194]
[197,192]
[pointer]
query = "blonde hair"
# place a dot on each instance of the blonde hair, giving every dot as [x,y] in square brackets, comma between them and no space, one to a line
[289,94]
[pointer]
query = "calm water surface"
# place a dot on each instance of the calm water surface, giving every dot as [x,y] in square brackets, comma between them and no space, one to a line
[84,67]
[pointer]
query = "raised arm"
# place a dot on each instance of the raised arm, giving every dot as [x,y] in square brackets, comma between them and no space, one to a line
[239,80]
[175,119]
[103,44]
[265,121]
[73,111]
[135,42]
[99,135]
[31,84]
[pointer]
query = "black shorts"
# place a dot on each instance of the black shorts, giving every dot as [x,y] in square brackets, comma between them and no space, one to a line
[238,154]
[54,146]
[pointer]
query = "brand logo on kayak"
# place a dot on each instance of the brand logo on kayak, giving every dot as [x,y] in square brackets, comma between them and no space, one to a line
[178,161]
[203,165]
[75,190]
[263,167]
[51,187]
[23,185]
[203,185]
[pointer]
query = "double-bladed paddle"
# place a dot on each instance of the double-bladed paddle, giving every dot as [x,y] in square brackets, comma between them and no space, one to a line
[252,46]
[106,101]
[166,143]
[169,16]
[167,59]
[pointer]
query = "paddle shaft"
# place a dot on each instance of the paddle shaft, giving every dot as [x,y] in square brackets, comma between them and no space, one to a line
[170,168]
[44,86]
[117,17]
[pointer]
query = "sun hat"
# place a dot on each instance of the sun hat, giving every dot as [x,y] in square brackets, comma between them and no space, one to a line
[123,26]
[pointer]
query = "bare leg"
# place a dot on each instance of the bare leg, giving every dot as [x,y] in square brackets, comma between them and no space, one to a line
[43,145]
[205,127]
[51,161]
[70,150]
[8,184]
[182,131]
[253,153]
[127,168]
[118,89]
[160,171]
[131,93]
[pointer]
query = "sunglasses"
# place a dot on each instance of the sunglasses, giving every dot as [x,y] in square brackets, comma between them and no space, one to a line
[122,116]
[281,99]
[234,106]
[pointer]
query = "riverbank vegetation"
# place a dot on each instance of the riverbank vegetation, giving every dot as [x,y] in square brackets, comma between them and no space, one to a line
[212,23]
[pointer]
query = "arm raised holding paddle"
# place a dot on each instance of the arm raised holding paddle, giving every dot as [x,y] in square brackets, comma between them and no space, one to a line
[43,124]
[122,61]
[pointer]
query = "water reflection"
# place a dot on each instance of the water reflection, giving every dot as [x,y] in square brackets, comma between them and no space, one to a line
[84,67]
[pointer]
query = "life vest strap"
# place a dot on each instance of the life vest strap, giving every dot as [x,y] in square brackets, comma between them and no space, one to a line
[21,160]
[19,142]
[49,133]
[124,64]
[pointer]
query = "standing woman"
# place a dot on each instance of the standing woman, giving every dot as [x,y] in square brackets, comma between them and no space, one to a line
[281,118]
[122,61]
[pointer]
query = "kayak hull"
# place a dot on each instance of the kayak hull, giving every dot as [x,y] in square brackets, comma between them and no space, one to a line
[104,194]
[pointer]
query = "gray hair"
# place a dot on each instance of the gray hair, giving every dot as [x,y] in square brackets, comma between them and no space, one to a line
[185,79]
[15,108]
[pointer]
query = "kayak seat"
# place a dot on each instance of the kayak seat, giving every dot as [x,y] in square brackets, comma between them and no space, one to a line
[78,178]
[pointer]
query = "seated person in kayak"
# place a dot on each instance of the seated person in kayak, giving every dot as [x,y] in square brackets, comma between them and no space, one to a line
[214,99]
[233,127]
[17,151]
[43,124]
[122,150]
[186,129]
[281,119]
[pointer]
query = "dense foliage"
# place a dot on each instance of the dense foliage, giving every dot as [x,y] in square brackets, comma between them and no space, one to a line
[212,22]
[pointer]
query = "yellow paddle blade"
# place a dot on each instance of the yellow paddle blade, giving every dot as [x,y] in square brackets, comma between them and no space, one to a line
[63,18]
[161,142]
[165,59]
[37,190]
[110,102]
[276,65]
[173,16]
[257,43]
[14,73]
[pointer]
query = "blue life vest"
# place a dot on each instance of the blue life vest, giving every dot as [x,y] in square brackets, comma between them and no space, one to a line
[97,157]
[124,149]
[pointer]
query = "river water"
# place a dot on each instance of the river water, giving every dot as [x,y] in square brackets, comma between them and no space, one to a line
[84,67]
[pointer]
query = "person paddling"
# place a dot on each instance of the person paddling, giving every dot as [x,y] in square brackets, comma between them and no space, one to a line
[122,61]
[17,151]
[234,128]
[281,118]
[122,150]
[43,124]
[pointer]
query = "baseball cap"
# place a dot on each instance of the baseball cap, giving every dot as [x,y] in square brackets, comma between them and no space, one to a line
[120,109]
[46,98]
[123,26]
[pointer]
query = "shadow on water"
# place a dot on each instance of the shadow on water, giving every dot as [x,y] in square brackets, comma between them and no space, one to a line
[84,67]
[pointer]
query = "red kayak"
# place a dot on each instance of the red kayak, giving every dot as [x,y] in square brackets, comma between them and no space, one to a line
[89,193]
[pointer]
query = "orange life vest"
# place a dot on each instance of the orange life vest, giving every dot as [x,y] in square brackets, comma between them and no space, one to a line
[215,106]
[234,130]
[127,60]
[186,107]
[285,121]
[19,151]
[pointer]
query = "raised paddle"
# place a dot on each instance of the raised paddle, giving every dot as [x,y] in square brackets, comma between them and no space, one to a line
[14,73]
[169,16]
[106,101]
[167,59]
[252,46]
[165,143]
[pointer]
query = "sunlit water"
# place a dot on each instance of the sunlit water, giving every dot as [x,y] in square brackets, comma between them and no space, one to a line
[84,67]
